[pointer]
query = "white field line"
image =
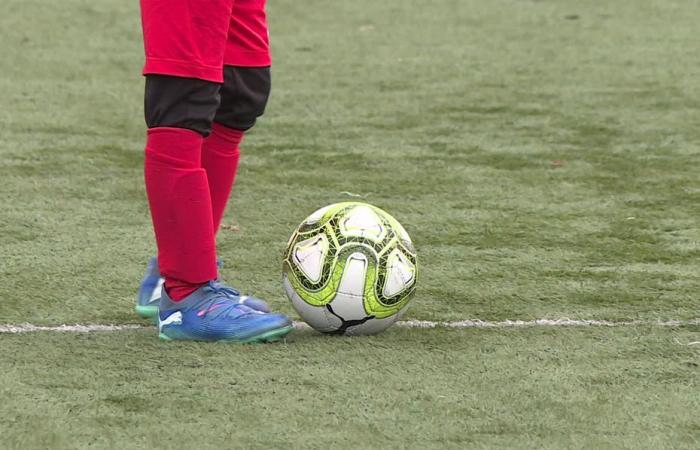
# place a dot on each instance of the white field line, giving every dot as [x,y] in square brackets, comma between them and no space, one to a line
[469,323]
[476,323]
[77,328]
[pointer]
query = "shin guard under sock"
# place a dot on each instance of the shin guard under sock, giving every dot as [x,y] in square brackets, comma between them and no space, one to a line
[220,159]
[180,202]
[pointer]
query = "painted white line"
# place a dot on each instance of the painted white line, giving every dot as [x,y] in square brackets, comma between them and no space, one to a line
[469,323]
[476,323]
[87,328]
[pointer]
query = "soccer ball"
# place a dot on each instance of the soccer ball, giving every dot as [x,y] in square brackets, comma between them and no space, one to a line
[350,268]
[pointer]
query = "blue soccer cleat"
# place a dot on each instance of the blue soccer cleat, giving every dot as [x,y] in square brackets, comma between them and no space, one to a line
[148,297]
[149,292]
[214,312]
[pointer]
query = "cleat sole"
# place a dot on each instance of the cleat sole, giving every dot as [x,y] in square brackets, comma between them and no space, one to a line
[164,337]
[147,312]
[269,336]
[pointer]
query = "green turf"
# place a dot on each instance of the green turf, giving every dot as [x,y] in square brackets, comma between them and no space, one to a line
[529,388]
[542,154]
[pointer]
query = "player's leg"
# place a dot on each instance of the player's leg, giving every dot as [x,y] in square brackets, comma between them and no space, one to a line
[175,106]
[179,112]
[185,41]
[245,91]
[192,305]
[244,96]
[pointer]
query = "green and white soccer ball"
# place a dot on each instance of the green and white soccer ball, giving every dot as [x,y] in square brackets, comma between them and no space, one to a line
[350,268]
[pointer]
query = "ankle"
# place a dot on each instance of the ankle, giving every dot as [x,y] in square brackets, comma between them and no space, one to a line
[177,289]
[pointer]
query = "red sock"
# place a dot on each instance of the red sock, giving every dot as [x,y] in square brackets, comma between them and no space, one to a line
[178,194]
[220,159]
[178,289]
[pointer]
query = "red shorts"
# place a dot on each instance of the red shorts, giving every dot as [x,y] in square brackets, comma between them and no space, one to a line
[196,38]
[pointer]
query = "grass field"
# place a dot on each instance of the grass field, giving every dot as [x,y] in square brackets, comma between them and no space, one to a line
[544,156]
